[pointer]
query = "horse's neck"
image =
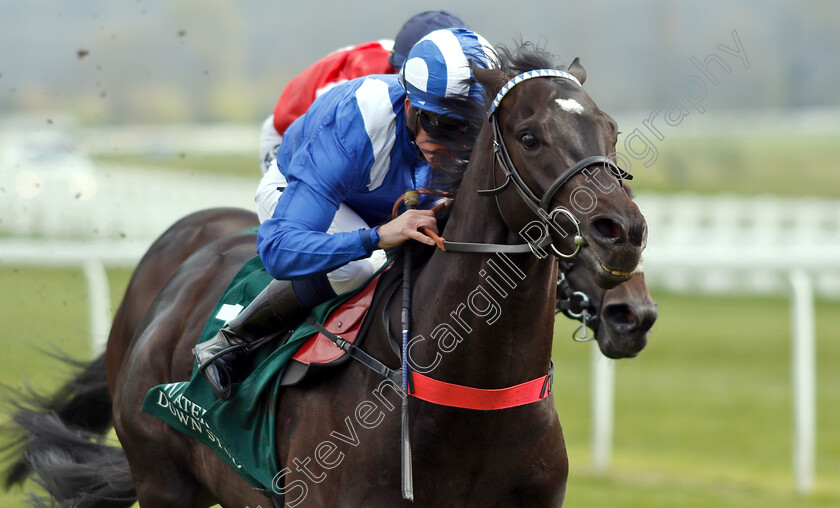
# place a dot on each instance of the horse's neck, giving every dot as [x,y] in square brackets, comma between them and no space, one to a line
[498,308]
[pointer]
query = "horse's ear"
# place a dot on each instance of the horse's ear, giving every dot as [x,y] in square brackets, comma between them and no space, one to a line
[577,70]
[491,80]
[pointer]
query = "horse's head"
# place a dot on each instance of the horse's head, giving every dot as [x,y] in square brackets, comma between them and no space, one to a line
[557,146]
[621,317]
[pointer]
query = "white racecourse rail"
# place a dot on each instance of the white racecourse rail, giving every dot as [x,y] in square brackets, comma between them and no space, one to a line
[129,203]
[719,244]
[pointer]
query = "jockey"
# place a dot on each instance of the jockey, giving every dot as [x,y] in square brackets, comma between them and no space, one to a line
[376,57]
[344,163]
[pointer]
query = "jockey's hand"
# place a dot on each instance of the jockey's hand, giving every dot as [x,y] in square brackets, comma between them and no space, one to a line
[407,226]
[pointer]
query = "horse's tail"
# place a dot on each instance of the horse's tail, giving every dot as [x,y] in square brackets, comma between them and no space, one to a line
[83,403]
[74,466]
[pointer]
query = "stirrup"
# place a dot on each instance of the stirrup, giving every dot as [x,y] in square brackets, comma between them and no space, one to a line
[215,356]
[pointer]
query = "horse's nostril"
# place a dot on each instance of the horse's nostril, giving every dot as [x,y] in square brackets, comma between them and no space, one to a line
[621,316]
[606,228]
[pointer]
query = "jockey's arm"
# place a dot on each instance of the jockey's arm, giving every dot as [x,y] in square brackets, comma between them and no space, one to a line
[294,244]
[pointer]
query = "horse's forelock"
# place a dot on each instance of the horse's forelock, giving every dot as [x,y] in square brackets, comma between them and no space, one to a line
[525,56]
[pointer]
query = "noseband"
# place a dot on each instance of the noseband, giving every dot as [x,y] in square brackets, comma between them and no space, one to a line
[540,205]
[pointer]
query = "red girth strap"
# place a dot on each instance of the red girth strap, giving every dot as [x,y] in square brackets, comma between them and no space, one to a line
[466,397]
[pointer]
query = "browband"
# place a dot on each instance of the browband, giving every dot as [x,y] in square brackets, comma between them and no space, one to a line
[538,73]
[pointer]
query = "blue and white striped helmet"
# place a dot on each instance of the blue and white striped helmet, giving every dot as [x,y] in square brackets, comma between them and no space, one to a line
[437,71]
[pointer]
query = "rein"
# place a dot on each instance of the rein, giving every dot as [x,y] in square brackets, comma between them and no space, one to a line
[477,248]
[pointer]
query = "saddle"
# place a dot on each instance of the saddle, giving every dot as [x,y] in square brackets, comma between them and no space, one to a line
[320,352]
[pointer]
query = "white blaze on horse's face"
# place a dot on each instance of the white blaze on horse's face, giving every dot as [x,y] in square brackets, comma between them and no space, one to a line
[570,105]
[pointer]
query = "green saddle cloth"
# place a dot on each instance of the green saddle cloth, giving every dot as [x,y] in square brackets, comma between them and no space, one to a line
[241,429]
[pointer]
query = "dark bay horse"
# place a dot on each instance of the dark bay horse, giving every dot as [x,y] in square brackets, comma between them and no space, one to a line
[512,457]
[621,319]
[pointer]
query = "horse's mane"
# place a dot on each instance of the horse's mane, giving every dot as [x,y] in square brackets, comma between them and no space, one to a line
[456,152]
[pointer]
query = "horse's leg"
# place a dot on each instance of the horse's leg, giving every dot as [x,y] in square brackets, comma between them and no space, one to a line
[323,412]
[163,486]
[168,468]
[166,485]
[150,446]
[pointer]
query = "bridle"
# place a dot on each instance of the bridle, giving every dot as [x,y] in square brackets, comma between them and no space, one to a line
[540,205]
[575,304]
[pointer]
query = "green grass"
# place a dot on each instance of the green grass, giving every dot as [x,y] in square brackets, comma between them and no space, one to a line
[44,309]
[40,310]
[792,166]
[703,416]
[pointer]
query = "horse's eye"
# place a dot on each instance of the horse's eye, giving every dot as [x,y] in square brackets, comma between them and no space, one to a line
[529,141]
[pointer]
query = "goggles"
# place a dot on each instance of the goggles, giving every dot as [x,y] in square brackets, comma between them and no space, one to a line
[433,123]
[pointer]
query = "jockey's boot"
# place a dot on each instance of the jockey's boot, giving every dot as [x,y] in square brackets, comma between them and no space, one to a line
[275,310]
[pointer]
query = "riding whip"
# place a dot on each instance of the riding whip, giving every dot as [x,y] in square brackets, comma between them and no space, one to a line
[411,200]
